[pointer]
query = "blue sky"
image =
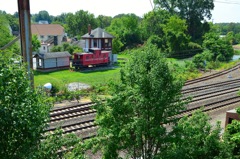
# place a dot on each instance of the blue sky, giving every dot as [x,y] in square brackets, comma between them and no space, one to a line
[225,10]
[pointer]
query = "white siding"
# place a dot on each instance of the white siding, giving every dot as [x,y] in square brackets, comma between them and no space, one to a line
[63,61]
[86,46]
[42,38]
[92,42]
[114,58]
[100,43]
[43,48]
[50,63]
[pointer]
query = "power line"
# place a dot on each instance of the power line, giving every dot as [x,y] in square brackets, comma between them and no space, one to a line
[151,4]
[229,2]
[10,43]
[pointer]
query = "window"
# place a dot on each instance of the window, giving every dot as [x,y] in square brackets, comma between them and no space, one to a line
[42,36]
[107,43]
[44,48]
[95,43]
[39,62]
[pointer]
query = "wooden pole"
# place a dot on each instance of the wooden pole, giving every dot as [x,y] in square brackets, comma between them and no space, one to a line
[26,36]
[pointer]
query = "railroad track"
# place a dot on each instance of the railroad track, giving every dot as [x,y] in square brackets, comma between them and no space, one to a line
[201,79]
[199,92]
[70,114]
[86,125]
[209,86]
[212,106]
[72,108]
[80,118]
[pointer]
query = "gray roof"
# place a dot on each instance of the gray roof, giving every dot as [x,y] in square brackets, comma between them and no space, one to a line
[52,55]
[98,33]
[80,43]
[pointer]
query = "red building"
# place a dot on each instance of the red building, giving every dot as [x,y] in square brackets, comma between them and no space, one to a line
[98,38]
[98,49]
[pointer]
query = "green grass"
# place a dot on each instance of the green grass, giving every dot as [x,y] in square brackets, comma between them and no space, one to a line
[102,76]
[236,52]
[91,77]
[123,56]
[228,65]
[178,61]
[67,76]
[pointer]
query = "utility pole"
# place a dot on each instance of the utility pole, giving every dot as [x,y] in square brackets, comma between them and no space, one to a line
[26,36]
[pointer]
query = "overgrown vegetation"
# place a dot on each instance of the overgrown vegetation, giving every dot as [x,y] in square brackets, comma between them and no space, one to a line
[24,112]
[128,120]
[137,106]
[134,120]
[66,47]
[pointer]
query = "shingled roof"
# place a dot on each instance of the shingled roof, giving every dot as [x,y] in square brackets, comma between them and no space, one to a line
[53,55]
[47,29]
[98,33]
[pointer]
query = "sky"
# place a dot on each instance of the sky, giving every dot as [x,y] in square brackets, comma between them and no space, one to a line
[224,11]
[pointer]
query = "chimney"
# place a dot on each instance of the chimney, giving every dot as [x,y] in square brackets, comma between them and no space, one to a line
[89,29]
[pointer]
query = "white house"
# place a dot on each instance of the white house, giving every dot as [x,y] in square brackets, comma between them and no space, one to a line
[52,61]
[49,35]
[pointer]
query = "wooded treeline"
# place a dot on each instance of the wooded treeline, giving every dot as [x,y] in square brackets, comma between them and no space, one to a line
[172,25]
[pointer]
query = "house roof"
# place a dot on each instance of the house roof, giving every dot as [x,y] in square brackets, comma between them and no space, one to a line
[52,55]
[47,29]
[98,33]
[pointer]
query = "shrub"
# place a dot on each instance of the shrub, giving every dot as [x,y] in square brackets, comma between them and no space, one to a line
[24,112]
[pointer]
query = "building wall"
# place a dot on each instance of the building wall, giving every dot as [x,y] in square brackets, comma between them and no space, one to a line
[50,63]
[42,38]
[87,45]
[56,62]
[63,61]
[44,48]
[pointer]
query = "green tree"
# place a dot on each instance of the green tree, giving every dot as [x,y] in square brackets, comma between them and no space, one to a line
[13,22]
[237,38]
[77,24]
[221,48]
[35,43]
[53,144]
[233,135]
[57,48]
[195,12]
[175,35]
[152,22]
[198,139]
[42,15]
[117,45]
[24,112]
[156,40]
[199,61]
[103,21]
[126,28]
[169,5]
[66,47]
[146,99]
[60,19]
[5,34]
